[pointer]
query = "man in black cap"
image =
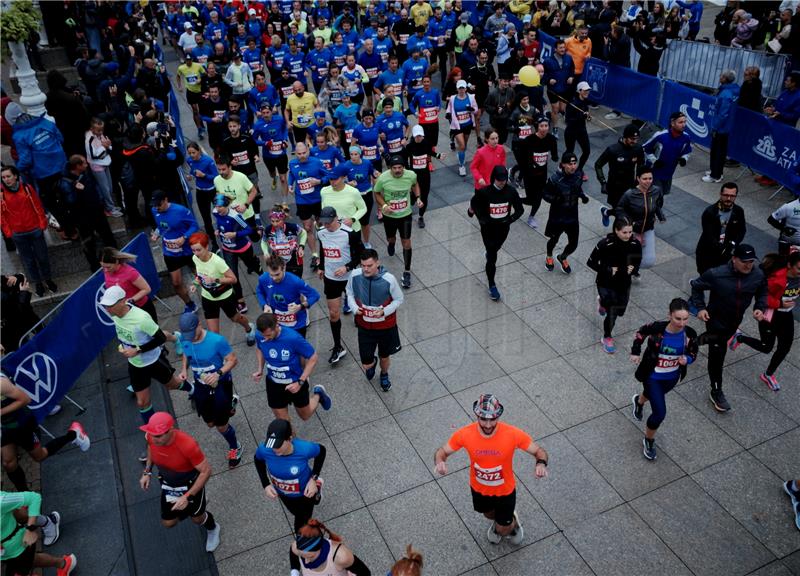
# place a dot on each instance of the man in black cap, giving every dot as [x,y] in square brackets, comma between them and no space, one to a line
[496,206]
[732,287]
[393,195]
[623,158]
[499,105]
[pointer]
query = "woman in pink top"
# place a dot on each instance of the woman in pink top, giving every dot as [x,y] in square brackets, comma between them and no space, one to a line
[118,272]
[488,156]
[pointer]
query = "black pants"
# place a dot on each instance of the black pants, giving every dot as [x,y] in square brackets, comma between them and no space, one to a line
[781,329]
[579,135]
[250,260]
[614,194]
[719,153]
[431,133]
[441,55]
[571,230]
[424,181]
[205,199]
[717,341]
[533,186]
[615,302]
[91,226]
[494,235]
[301,508]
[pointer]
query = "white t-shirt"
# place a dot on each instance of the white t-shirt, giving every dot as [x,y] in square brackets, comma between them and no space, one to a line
[790,213]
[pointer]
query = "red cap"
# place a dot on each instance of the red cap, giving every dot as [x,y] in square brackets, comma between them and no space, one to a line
[160,423]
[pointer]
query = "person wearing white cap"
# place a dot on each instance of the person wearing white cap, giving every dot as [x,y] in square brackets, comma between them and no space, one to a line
[576,115]
[187,42]
[462,110]
[418,154]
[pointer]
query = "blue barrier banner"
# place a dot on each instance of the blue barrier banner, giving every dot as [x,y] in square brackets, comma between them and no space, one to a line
[697,106]
[546,44]
[48,365]
[623,89]
[766,146]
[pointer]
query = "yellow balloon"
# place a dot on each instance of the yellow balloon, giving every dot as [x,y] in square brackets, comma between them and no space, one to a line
[529,76]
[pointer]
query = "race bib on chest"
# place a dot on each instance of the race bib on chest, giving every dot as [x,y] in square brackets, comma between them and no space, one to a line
[540,158]
[667,363]
[240,158]
[283,249]
[419,162]
[372,72]
[291,486]
[403,38]
[286,91]
[254,66]
[303,119]
[322,72]
[332,253]
[305,186]
[219,114]
[430,114]
[348,136]
[192,79]
[372,313]
[499,210]
[398,88]
[172,493]
[396,205]
[489,476]
[275,146]
[279,61]
[339,61]
[327,163]
[229,242]
[394,145]
[524,132]
[440,41]
[172,245]
[369,152]
[463,116]
[286,318]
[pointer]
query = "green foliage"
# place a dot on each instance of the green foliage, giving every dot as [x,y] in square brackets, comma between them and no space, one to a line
[18,21]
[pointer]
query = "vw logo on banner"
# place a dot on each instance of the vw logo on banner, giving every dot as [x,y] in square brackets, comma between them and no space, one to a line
[100,310]
[38,376]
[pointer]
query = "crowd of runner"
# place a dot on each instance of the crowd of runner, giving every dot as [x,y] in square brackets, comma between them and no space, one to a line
[343,103]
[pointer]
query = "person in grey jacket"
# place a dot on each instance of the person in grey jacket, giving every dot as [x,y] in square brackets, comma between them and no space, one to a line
[732,287]
[642,205]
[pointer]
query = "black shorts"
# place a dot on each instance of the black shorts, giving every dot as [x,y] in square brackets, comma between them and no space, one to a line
[333,288]
[393,225]
[502,506]
[301,508]
[214,404]
[369,200]
[194,97]
[465,130]
[279,163]
[211,308]
[141,377]
[386,340]
[195,508]
[177,262]
[22,564]
[307,211]
[278,397]
[25,436]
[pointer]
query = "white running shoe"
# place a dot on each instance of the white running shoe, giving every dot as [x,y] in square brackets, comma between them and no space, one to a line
[492,535]
[212,540]
[50,531]
[518,533]
[81,437]
[462,171]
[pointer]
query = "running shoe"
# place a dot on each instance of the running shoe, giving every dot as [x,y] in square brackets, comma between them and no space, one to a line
[234,456]
[191,306]
[337,353]
[518,533]
[346,306]
[638,409]
[604,214]
[797,515]
[608,345]
[370,372]
[612,115]
[549,264]
[212,539]
[406,281]
[70,562]
[719,401]
[462,171]
[324,400]
[532,222]
[494,293]
[115,212]
[649,449]
[600,309]
[793,494]
[50,531]
[565,267]
[251,336]
[733,341]
[492,535]
[421,222]
[241,307]
[386,385]
[390,248]
[771,381]
[81,437]
[710,179]
[318,497]
[367,246]
[314,262]
[234,404]
[52,286]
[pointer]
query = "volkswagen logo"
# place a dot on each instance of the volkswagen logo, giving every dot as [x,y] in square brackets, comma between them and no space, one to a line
[38,376]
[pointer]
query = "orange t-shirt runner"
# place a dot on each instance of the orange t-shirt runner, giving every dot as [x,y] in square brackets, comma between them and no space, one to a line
[491,458]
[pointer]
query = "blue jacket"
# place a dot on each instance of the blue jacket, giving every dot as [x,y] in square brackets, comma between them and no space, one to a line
[787,106]
[40,146]
[724,107]
[178,221]
[559,73]
[207,166]
[278,296]
[665,152]
[233,222]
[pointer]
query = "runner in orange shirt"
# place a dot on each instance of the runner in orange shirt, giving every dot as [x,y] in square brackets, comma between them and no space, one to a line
[490,445]
[579,46]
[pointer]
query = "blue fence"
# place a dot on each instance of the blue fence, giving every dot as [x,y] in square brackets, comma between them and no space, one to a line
[764,145]
[48,365]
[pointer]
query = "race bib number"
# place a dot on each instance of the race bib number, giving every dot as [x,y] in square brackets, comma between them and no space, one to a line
[279,61]
[394,145]
[279,374]
[327,163]
[489,476]
[291,486]
[240,158]
[372,72]
[419,162]
[332,253]
[305,186]
[322,72]
[192,79]
[498,210]
[348,136]
[339,61]
[286,318]
[303,119]
[397,205]
[172,493]
[463,117]
[172,245]
[430,114]
[229,242]
[403,38]
[276,146]
[440,41]
[372,313]
[524,132]
[283,250]
[667,363]
[254,66]
[540,158]
[219,114]
[369,152]
[287,91]
[398,88]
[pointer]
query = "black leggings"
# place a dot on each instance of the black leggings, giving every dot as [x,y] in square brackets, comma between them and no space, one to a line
[781,329]
[431,133]
[424,181]
[572,240]
[205,199]
[494,235]
[717,341]
[579,135]
[533,186]
[250,260]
